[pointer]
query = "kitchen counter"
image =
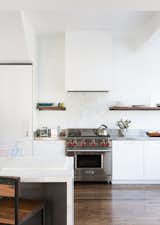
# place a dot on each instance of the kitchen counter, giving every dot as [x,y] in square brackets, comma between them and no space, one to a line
[34,169]
[134,138]
[132,135]
[49,139]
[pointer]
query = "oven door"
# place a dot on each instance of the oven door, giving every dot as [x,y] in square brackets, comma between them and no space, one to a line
[89,161]
[89,168]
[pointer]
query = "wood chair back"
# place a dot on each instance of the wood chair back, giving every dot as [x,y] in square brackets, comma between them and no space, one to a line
[9,188]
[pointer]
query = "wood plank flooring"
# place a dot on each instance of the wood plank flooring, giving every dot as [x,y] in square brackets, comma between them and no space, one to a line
[101,204]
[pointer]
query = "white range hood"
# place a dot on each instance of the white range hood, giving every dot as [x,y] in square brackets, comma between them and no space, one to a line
[88,57]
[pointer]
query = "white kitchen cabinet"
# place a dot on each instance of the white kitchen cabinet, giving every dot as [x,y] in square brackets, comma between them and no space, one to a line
[16,105]
[88,60]
[152,160]
[127,160]
[50,149]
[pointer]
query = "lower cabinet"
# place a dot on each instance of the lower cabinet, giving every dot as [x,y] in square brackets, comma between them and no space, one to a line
[25,147]
[127,160]
[152,160]
[137,161]
[55,149]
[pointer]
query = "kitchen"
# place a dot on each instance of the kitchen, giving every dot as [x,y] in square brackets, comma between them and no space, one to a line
[56,91]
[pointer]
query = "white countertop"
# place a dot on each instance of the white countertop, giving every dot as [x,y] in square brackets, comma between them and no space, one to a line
[135,138]
[34,169]
[48,139]
[132,135]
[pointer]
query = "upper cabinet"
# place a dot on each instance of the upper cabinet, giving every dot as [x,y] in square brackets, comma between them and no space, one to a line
[88,60]
[16,100]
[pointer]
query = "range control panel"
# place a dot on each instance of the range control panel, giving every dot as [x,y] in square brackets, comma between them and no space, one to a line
[88,143]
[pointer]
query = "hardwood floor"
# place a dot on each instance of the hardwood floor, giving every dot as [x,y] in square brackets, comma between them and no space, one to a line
[101,204]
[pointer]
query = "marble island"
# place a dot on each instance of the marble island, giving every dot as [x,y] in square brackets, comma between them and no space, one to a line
[48,171]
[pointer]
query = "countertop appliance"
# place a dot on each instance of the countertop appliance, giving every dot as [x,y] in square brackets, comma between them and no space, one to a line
[92,155]
[43,132]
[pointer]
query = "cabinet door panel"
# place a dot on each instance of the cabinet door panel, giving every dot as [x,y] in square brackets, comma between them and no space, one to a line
[152,160]
[49,149]
[15,102]
[127,160]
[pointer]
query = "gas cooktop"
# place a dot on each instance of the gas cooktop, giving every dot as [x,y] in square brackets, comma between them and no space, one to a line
[86,140]
[85,132]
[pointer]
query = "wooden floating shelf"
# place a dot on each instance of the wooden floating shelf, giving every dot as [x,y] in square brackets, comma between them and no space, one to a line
[51,108]
[134,108]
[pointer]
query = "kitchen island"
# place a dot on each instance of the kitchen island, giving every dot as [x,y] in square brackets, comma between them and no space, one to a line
[48,179]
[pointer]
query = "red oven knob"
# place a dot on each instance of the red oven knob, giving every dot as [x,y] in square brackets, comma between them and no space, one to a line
[102,143]
[74,143]
[83,143]
[93,143]
[80,144]
[106,144]
[70,144]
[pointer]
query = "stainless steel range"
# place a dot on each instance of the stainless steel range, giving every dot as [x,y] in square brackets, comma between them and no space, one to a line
[92,155]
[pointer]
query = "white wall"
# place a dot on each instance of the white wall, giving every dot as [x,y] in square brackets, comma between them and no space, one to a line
[12,39]
[31,43]
[136,79]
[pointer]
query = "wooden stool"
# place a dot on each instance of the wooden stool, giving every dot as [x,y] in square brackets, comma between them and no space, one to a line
[15,211]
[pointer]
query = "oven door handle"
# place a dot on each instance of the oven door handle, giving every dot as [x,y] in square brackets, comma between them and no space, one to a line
[102,161]
[75,161]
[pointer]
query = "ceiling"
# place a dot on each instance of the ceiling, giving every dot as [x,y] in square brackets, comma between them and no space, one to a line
[80,5]
[48,16]
[46,22]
